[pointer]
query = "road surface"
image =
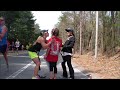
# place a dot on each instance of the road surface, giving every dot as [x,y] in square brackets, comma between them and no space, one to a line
[21,67]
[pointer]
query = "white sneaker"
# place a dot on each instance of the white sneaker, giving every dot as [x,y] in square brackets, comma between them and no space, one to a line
[36,77]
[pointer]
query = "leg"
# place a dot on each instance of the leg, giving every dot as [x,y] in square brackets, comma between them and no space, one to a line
[4,52]
[36,69]
[55,69]
[70,67]
[34,57]
[64,67]
[6,59]
[51,70]
[13,49]
[17,51]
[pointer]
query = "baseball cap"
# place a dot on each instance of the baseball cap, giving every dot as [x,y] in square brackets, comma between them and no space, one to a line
[42,31]
[69,30]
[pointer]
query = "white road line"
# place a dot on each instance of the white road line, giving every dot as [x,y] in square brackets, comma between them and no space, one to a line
[20,56]
[19,71]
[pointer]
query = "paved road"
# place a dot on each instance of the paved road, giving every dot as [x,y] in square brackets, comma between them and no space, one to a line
[21,67]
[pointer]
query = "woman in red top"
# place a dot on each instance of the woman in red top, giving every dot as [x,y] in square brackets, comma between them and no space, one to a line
[53,52]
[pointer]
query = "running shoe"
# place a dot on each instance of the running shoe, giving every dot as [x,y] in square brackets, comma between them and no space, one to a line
[36,77]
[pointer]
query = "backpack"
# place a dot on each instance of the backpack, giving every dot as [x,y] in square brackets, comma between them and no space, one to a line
[55,48]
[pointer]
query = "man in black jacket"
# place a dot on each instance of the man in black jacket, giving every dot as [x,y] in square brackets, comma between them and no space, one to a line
[67,53]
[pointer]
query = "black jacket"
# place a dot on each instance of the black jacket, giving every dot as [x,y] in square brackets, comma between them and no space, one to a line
[69,44]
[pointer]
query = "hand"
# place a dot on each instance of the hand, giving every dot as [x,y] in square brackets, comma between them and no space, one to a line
[53,40]
[45,56]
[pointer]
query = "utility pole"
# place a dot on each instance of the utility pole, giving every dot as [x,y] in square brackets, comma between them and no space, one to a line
[80,32]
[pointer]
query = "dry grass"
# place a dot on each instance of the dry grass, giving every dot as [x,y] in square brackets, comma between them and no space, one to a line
[106,68]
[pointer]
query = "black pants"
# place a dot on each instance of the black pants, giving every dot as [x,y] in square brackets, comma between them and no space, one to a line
[71,71]
[53,65]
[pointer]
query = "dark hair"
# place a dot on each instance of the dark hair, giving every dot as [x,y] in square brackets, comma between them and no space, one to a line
[55,32]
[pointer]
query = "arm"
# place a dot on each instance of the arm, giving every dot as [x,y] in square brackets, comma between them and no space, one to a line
[44,45]
[38,39]
[46,53]
[61,45]
[71,44]
[4,30]
[48,49]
